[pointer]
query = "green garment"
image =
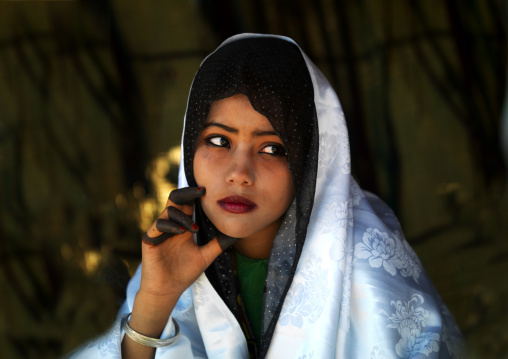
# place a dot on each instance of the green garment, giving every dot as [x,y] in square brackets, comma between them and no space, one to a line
[251,274]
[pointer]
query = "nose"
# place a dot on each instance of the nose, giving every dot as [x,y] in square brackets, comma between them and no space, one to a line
[240,169]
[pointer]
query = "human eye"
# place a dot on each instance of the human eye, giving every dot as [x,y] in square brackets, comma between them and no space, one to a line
[218,141]
[274,150]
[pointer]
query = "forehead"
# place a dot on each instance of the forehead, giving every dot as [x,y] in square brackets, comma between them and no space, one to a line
[237,112]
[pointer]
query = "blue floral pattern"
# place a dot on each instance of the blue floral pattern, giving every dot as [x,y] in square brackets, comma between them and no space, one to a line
[108,345]
[355,193]
[334,150]
[411,266]
[340,215]
[409,320]
[377,353]
[392,253]
[299,303]
[307,356]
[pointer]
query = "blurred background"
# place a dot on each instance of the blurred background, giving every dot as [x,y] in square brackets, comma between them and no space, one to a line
[92,98]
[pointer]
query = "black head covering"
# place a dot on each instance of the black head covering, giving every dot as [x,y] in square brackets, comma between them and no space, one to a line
[272,73]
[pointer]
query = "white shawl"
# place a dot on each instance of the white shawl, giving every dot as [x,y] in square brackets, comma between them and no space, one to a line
[359,290]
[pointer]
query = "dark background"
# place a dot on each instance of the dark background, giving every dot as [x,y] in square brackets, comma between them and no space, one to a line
[92,98]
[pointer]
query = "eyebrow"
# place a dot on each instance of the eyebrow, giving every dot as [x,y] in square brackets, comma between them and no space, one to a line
[234,130]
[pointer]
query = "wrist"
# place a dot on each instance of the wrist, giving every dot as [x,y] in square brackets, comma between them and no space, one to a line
[148,341]
[150,313]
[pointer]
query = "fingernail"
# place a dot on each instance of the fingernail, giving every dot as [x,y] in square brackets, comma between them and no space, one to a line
[200,188]
[183,229]
[195,227]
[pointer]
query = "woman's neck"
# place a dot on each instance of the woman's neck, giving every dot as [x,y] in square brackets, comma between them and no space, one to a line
[259,244]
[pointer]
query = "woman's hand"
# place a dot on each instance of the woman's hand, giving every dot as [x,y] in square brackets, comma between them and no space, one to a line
[171,260]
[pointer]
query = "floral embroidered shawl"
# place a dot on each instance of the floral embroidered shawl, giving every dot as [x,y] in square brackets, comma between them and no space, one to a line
[359,290]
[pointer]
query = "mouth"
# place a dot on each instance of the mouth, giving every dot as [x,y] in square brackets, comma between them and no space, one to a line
[236,204]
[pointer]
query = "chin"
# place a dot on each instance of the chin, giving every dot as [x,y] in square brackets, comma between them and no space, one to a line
[233,232]
[236,227]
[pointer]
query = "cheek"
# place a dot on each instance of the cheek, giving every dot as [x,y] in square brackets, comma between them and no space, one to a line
[281,185]
[201,169]
[202,166]
[207,173]
[290,190]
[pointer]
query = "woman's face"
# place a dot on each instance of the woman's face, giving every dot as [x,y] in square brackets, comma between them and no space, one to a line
[241,162]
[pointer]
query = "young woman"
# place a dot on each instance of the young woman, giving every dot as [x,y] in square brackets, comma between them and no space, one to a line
[269,248]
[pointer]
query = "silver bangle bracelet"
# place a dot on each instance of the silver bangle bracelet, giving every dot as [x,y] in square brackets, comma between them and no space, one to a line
[147,341]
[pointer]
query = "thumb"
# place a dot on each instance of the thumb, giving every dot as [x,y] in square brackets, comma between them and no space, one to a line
[225,241]
[216,246]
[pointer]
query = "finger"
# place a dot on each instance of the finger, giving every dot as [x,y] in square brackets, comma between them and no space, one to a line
[167,226]
[185,220]
[211,251]
[186,195]
[216,246]
[225,241]
[183,197]
[156,240]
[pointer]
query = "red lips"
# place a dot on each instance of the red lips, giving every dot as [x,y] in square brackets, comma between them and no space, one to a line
[236,204]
